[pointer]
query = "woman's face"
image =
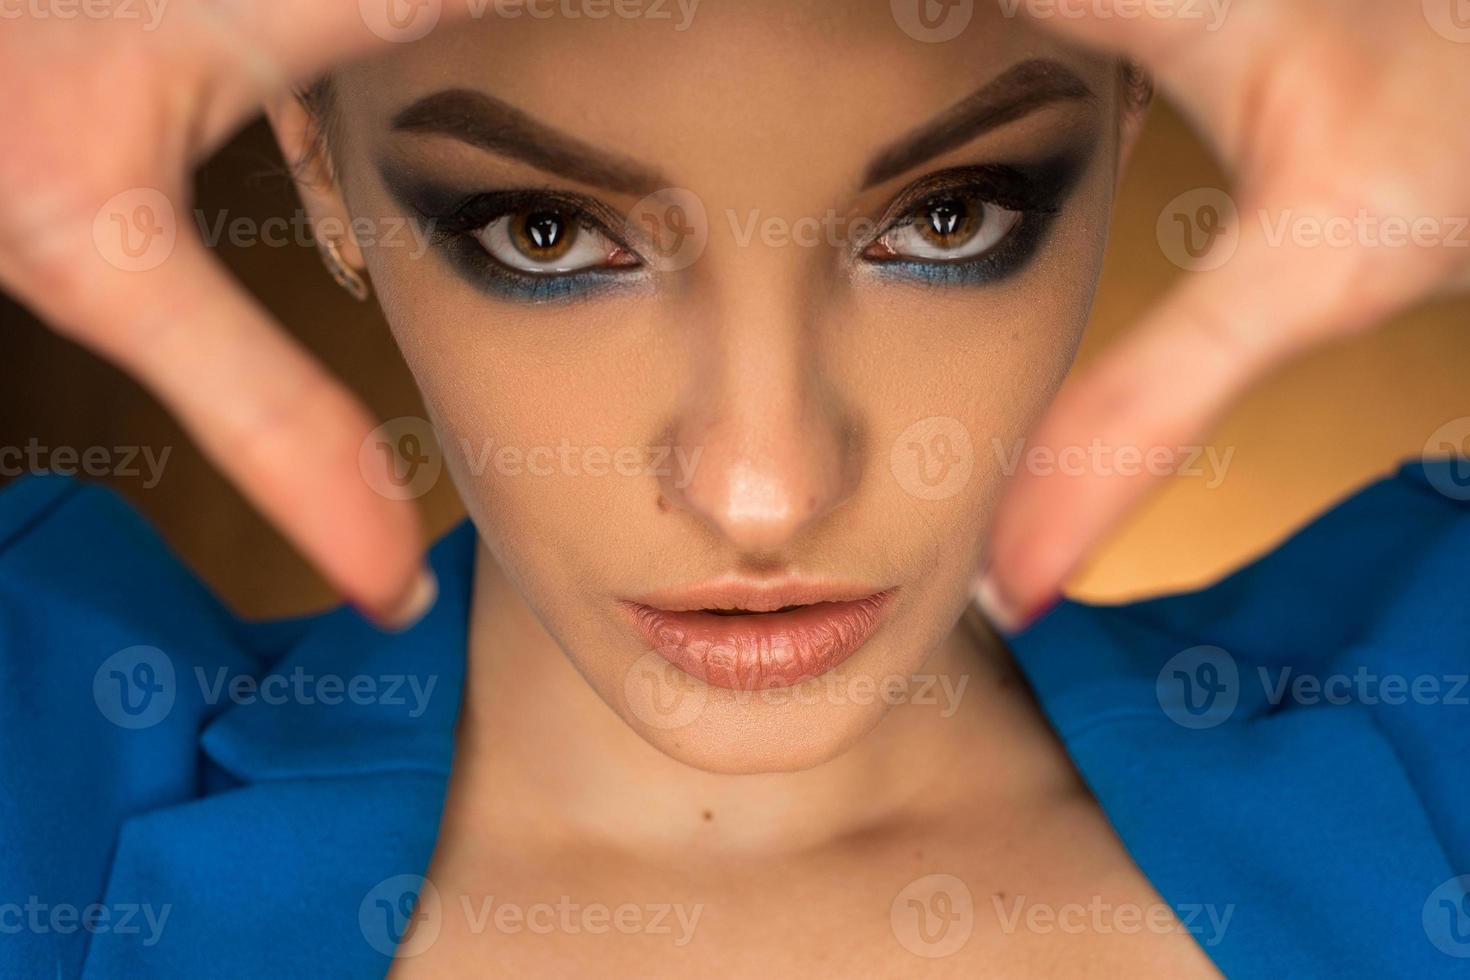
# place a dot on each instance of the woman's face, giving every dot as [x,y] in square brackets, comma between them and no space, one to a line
[759,301]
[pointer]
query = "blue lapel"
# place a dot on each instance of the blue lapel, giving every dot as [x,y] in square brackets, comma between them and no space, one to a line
[1329,831]
[327,808]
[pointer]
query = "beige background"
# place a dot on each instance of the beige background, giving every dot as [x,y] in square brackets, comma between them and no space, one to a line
[1303,439]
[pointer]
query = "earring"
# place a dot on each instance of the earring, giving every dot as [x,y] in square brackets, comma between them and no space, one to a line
[346,276]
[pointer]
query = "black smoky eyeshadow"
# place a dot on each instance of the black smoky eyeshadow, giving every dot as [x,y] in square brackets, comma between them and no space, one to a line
[1037,190]
[452,217]
[450,210]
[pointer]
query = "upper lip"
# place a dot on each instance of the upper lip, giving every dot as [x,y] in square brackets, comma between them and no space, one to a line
[754,595]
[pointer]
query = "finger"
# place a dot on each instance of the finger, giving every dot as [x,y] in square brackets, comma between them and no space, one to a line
[1123,425]
[1166,34]
[1202,54]
[259,406]
[286,40]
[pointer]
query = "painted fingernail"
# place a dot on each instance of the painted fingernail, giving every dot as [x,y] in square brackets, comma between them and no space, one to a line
[416,602]
[996,607]
[1003,613]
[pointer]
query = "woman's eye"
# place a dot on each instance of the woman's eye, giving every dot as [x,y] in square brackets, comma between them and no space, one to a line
[951,228]
[551,241]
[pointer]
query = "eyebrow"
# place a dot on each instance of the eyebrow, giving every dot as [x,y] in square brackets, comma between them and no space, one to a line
[490,124]
[1014,94]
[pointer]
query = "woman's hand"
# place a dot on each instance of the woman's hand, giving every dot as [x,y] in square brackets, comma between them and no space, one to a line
[104,120]
[1350,117]
[1323,108]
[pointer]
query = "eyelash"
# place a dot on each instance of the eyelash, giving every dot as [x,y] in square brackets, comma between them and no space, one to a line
[457,232]
[1034,193]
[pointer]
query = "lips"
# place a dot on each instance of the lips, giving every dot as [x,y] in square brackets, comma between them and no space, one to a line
[754,637]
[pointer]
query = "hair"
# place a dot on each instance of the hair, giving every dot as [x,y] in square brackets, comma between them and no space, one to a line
[1135,86]
[320,101]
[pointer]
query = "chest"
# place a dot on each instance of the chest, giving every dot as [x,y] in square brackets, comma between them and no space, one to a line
[1056,898]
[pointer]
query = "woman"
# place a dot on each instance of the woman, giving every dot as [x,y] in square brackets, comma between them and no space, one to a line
[700,690]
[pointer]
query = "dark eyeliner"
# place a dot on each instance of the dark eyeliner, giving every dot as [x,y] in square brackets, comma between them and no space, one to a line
[453,218]
[1037,191]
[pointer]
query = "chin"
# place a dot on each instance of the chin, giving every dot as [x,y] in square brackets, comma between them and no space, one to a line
[757,743]
[785,728]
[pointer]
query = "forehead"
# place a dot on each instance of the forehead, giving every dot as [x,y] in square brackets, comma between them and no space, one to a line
[777,101]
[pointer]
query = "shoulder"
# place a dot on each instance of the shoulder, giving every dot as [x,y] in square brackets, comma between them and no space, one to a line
[185,794]
[101,631]
[98,620]
[1302,722]
[1386,564]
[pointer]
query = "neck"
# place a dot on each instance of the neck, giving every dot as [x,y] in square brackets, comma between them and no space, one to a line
[540,756]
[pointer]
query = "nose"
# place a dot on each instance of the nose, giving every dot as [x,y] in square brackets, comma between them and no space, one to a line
[771,449]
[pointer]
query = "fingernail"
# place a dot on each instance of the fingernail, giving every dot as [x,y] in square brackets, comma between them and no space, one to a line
[997,609]
[416,602]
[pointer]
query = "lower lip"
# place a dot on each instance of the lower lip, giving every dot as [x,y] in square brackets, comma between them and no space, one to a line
[760,651]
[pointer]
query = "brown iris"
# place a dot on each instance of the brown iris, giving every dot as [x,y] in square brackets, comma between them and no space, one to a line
[542,236]
[948,222]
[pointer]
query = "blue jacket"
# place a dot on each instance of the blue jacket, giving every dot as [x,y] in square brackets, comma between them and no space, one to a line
[183,794]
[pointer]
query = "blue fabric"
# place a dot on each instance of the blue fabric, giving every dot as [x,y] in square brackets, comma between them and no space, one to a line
[186,795]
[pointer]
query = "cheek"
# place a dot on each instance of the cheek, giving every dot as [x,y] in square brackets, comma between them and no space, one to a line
[542,431]
[958,376]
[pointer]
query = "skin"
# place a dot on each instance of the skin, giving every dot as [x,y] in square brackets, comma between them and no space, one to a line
[1318,107]
[792,372]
